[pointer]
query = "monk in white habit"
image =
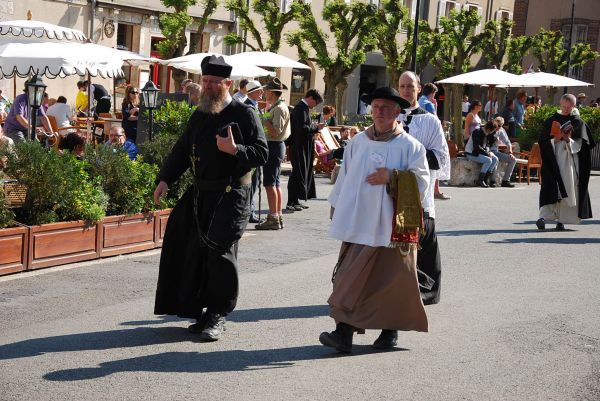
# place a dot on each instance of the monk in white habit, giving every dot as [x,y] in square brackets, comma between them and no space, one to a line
[565,144]
[375,280]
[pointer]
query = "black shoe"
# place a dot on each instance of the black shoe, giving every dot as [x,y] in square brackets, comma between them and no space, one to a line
[254,219]
[541,224]
[492,184]
[302,205]
[199,326]
[297,207]
[215,326]
[481,181]
[290,209]
[560,226]
[387,339]
[340,338]
[507,184]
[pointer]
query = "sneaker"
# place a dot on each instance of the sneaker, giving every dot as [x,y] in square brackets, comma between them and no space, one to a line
[215,326]
[281,225]
[541,224]
[507,184]
[271,223]
[254,219]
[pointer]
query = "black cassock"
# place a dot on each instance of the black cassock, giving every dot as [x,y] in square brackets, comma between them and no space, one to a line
[552,188]
[301,184]
[198,263]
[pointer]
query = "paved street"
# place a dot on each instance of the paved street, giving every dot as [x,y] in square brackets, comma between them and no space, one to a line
[519,319]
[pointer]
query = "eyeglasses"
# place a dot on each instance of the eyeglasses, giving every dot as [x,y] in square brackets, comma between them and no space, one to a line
[134,92]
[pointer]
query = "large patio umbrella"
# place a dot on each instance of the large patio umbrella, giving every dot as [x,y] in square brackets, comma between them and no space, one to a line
[490,76]
[267,59]
[39,31]
[191,63]
[538,79]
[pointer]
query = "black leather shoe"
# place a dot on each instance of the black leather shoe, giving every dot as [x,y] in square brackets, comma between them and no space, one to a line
[340,338]
[302,205]
[215,326]
[387,339]
[560,226]
[198,327]
[507,184]
[541,224]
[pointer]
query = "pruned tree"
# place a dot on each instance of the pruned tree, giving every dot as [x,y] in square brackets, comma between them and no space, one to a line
[351,26]
[450,48]
[209,8]
[273,21]
[393,20]
[518,47]
[173,26]
[549,51]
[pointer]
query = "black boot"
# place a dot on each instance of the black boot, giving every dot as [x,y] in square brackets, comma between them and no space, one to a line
[481,180]
[387,339]
[340,338]
[489,180]
[215,326]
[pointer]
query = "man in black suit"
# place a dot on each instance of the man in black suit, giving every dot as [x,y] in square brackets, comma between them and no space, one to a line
[301,184]
[254,93]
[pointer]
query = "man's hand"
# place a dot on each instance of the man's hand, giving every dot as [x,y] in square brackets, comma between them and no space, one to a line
[380,177]
[160,190]
[227,145]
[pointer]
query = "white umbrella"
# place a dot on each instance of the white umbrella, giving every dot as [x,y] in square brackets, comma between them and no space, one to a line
[267,59]
[538,79]
[491,76]
[191,63]
[39,31]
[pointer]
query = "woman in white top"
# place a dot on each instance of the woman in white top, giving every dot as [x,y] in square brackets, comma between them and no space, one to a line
[472,121]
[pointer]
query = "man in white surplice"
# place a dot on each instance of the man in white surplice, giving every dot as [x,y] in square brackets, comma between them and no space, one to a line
[427,129]
[375,284]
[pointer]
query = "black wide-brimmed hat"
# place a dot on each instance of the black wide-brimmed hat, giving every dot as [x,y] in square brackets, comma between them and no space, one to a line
[215,65]
[275,85]
[386,92]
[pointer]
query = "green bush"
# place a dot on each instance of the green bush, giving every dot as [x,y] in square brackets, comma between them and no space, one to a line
[58,187]
[6,215]
[128,184]
[535,123]
[170,121]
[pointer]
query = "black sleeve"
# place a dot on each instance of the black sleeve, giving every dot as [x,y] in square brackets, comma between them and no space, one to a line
[432,160]
[301,123]
[337,153]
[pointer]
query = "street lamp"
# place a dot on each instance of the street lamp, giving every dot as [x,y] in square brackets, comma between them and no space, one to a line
[150,95]
[35,94]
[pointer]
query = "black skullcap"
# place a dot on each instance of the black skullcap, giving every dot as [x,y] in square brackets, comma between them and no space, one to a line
[215,65]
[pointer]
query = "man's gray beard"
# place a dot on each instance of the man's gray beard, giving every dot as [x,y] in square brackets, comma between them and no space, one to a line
[212,103]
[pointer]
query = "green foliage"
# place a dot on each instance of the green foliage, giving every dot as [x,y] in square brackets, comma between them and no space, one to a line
[549,50]
[6,215]
[518,47]
[58,187]
[128,184]
[170,122]
[273,21]
[172,27]
[350,24]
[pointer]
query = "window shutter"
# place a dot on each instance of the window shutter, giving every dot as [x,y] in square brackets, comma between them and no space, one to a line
[441,11]
[480,13]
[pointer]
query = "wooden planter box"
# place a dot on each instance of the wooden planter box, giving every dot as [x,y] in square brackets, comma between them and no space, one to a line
[14,243]
[60,243]
[160,225]
[126,234]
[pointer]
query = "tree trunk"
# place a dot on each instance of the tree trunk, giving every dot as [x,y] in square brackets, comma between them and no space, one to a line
[330,84]
[178,76]
[456,113]
[394,78]
[339,97]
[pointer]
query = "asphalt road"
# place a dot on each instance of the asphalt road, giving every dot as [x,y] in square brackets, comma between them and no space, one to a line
[519,319]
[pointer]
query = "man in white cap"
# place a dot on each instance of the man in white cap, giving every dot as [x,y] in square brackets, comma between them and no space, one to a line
[222,143]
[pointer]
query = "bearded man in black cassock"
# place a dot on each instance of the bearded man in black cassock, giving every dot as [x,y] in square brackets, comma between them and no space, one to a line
[565,144]
[301,184]
[198,264]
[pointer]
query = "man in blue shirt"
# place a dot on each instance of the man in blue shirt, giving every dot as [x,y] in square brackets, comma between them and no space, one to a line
[427,99]
[519,110]
[16,125]
[116,137]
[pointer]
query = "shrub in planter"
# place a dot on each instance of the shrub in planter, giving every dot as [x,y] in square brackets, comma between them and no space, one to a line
[535,123]
[58,187]
[6,215]
[128,184]
[170,121]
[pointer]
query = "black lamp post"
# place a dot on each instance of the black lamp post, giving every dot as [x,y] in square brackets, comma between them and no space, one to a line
[413,63]
[150,96]
[35,94]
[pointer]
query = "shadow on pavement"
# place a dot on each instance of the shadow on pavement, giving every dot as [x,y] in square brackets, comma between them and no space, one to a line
[563,241]
[99,340]
[216,361]
[252,315]
[456,233]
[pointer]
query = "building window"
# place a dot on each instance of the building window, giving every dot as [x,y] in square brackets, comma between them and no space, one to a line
[445,7]
[503,15]
[423,9]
